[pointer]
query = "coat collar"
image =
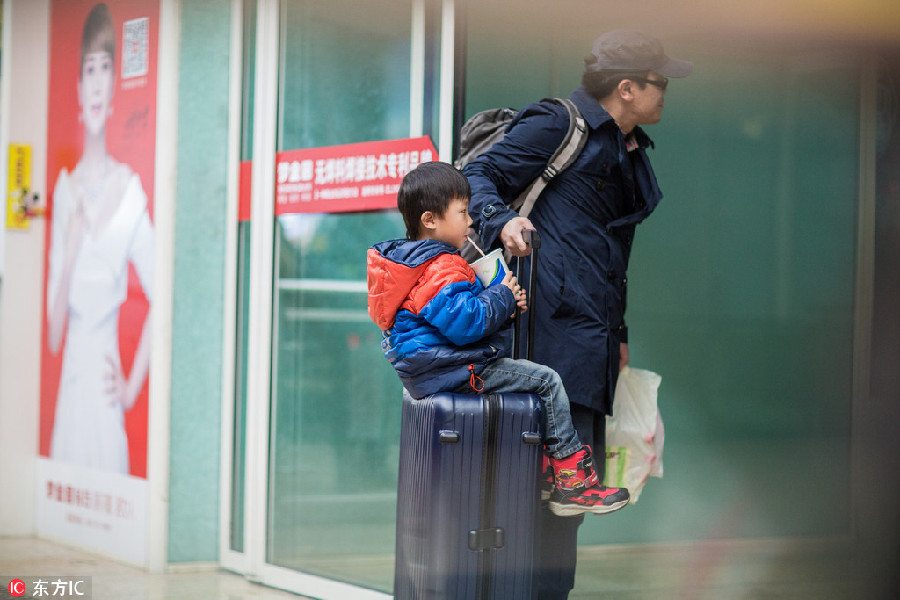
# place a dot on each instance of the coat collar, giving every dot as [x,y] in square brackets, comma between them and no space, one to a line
[596,116]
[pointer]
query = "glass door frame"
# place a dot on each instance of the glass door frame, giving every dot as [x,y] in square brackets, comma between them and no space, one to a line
[229,558]
[252,562]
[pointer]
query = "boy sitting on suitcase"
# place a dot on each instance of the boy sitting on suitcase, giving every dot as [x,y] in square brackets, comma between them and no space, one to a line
[445,332]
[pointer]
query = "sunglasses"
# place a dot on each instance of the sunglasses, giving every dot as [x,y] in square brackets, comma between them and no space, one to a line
[662,84]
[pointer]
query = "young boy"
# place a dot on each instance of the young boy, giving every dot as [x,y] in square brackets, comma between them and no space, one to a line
[445,332]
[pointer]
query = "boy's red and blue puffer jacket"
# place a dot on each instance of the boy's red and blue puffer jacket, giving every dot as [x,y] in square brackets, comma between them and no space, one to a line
[436,317]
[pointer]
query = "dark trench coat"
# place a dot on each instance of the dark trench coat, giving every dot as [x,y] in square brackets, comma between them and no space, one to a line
[586,217]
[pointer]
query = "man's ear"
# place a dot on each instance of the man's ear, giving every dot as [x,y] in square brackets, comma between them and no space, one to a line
[626,89]
[428,220]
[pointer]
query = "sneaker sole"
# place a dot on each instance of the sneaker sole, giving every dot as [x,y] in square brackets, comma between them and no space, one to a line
[573,510]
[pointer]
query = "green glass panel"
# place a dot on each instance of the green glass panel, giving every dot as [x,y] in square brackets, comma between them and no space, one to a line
[741,295]
[238,471]
[336,404]
[740,286]
[345,73]
[248,76]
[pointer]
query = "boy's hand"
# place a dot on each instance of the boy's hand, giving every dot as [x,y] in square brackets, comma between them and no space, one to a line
[521,301]
[512,283]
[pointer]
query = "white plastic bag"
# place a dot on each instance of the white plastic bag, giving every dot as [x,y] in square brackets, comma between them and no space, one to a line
[634,432]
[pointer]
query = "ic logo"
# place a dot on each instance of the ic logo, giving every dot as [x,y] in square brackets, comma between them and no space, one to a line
[16,588]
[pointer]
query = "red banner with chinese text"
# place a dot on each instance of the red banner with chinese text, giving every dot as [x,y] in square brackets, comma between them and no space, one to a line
[350,177]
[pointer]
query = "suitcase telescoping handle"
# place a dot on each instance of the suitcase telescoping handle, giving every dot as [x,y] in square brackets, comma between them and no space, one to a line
[532,239]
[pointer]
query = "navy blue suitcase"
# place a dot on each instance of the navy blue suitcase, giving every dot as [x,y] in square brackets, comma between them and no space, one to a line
[468,497]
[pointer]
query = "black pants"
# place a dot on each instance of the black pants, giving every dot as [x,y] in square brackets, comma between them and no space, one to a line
[558,540]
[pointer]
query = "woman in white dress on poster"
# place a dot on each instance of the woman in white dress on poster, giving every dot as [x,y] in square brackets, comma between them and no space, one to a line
[100,225]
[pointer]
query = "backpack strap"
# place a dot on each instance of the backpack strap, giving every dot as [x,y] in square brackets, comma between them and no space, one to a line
[567,152]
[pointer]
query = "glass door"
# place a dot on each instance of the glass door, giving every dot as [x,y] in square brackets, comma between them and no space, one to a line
[345,78]
[316,406]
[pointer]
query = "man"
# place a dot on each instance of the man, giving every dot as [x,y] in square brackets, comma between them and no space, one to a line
[587,217]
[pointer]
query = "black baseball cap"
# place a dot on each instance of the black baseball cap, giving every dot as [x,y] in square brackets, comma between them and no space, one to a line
[625,50]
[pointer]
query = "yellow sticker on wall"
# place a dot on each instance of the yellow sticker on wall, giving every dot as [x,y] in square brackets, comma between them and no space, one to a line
[19,183]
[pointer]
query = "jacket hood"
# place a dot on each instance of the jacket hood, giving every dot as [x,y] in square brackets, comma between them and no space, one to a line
[392,270]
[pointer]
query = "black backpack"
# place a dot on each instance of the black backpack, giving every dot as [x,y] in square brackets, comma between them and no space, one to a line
[486,128]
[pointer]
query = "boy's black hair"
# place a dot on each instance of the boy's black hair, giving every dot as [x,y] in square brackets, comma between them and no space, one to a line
[431,187]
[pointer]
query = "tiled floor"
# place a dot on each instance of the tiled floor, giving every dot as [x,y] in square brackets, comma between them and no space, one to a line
[741,570]
[21,557]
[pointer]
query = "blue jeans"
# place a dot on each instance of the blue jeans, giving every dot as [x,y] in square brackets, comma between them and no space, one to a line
[506,375]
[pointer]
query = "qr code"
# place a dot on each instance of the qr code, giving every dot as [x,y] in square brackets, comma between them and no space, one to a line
[135,47]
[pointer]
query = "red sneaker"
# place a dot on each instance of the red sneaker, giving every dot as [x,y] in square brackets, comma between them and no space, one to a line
[546,479]
[577,489]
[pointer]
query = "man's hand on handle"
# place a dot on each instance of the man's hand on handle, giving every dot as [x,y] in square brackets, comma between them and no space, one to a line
[511,236]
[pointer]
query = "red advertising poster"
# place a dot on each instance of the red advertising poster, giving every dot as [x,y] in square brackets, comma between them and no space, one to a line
[99,272]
